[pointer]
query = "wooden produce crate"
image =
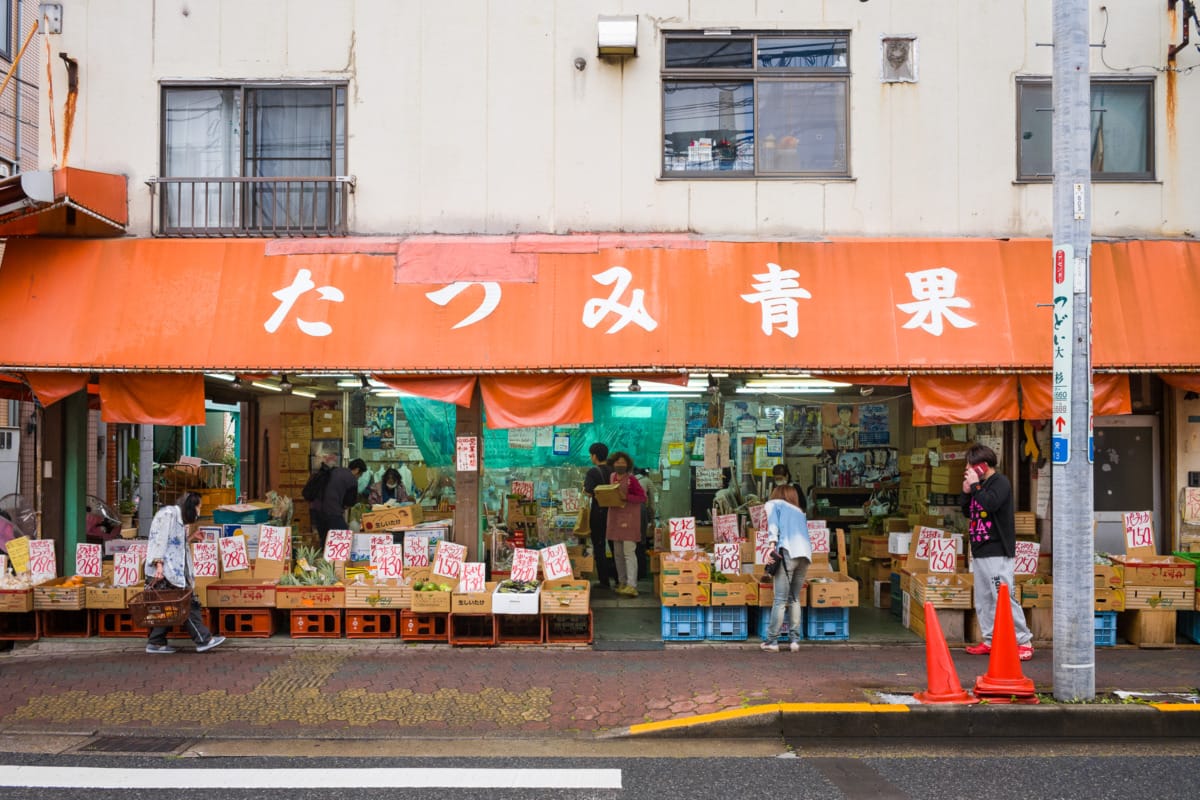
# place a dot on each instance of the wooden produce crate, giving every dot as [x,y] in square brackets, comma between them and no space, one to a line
[1160,598]
[241,593]
[378,595]
[1148,629]
[303,597]
[53,595]
[949,590]
[566,597]
[16,601]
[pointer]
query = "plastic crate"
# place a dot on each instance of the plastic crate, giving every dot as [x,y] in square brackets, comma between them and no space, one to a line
[683,624]
[472,630]
[568,628]
[66,624]
[519,629]
[367,623]
[1106,628]
[827,624]
[423,627]
[26,627]
[115,623]
[246,623]
[764,622]
[316,623]
[1187,624]
[726,624]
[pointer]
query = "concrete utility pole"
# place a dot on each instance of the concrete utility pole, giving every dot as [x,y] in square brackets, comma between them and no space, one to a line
[1071,472]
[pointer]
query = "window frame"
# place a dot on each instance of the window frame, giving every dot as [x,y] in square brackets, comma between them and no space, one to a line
[754,75]
[1150,85]
[6,40]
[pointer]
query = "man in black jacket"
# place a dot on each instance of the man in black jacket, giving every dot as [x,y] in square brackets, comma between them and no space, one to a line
[598,475]
[341,492]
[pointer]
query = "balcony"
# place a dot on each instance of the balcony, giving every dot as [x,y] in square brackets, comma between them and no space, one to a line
[250,207]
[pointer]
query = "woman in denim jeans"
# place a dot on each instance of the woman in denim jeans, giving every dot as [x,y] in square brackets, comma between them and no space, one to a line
[788,534]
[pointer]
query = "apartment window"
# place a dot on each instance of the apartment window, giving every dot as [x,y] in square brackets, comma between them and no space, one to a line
[756,105]
[6,30]
[253,160]
[1122,129]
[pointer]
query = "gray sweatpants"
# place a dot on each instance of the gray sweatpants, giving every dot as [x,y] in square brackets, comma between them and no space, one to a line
[989,574]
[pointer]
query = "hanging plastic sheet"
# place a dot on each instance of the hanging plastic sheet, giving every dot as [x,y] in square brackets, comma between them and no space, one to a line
[152,398]
[50,387]
[526,401]
[1110,396]
[953,399]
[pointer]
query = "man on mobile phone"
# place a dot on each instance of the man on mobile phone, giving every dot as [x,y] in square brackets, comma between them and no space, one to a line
[988,504]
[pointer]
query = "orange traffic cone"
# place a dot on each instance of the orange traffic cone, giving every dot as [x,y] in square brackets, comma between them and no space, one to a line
[941,675]
[1004,681]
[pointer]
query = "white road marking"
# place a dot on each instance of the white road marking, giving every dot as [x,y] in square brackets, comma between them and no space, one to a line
[373,778]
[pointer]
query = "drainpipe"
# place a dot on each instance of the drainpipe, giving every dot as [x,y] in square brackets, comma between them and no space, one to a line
[17,108]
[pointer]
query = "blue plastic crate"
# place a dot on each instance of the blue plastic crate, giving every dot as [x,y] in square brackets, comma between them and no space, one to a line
[683,624]
[1106,628]
[827,624]
[1187,623]
[727,623]
[764,622]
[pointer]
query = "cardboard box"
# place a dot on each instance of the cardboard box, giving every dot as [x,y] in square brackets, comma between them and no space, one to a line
[1160,598]
[833,590]
[241,593]
[881,594]
[310,597]
[873,546]
[392,517]
[739,590]
[566,597]
[513,603]
[431,602]
[608,496]
[582,565]
[106,597]
[54,596]
[1149,629]
[679,570]
[1109,577]
[1156,570]
[382,595]
[327,417]
[473,603]
[1108,599]
[327,431]
[685,595]
[199,590]
[1036,595]
[16,601]
[704,535]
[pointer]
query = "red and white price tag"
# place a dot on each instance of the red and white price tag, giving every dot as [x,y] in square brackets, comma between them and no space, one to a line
[88,560]
[570,501]
[924,537]
[448,559]
[726,529]
[818,534]
[941,555]
[416,550]
[682,531]
[42,562]
[272,542]
[205,560]
[1139,529]
[233,554]
[337,545]
[728,557]
[524,564]
[761,548]
[127,569]
[472,581]
[1027,558]
[389,560]
[556,564]
[466,449]
[758,517]
[523,489]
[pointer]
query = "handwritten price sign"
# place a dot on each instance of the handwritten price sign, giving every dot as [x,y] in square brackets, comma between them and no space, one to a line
[941,555]
[726,528]
[337,546]
[449,559]
[924,537]
[127,569]
[416,550]
[1027,558]
[818,534]
[88,560]
[205,559]
[272,542]
[42,563]
[556,564]
[523,489]
[682,531]
[472,578]
[389,560]
[570,501]
[728,557]
[139,549]
[233,554]
[761,548]
[524,564]
[758,517]
[1139,529]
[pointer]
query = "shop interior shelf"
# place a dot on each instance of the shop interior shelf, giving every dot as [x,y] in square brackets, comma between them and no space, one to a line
[316,623]
[568,628]
[367,623]
[472,630]
[246,623]
[680,624]
[827,624]
[423,627]
[518,629]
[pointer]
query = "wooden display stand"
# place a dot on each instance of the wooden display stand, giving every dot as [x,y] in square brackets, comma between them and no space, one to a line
[1148,629]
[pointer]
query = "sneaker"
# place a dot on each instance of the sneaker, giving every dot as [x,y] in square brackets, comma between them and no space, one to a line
[213,641]
[981,649]
[1024,652]
[794,647]
[770,647]
[631,591]
[160,648]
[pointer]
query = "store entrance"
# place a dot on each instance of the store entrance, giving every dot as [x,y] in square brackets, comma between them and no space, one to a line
[1127,477]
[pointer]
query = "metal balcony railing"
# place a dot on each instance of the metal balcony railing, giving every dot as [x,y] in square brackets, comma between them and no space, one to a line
[226,207]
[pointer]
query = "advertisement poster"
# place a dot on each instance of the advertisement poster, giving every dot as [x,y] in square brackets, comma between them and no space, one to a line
[802,425]
[873,427]
[380,432]
[840,423]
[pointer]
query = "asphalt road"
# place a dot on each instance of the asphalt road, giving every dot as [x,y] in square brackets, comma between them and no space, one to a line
[928,771]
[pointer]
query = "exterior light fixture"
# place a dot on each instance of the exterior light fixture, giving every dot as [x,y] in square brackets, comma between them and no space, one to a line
[616,36]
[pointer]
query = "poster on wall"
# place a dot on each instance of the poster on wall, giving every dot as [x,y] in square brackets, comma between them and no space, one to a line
[380,430]
[874,429]
[802,426]
[840,425]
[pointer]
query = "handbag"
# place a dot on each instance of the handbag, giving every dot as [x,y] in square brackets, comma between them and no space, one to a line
[772,569]
[583,520]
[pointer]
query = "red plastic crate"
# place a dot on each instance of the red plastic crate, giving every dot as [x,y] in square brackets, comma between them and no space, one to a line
[316,623]
[66,624]
[568,628]
[423,627]
[472,630]
[519,629]
[366,623]
[246,623]
[119,624]
[24,627]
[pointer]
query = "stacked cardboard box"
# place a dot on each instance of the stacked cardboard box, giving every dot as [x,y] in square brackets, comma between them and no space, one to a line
[685,579]
[949,592]
[1156,587]
[872,563]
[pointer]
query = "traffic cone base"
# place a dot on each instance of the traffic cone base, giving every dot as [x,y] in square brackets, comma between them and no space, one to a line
[1004,678]
[941,675]
[1009,699]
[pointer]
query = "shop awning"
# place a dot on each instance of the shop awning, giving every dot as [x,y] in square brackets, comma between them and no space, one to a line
[583,304]
[63,202]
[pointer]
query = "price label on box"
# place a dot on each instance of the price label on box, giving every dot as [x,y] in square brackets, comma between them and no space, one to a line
[272,542]
[88,560]
[726,529]
[524,564]
[42,563]
[472,580]
[523,489]
[205,561]
[233,554]
[416,550]
[682,531]
[941,555]
[127,569]
[758,517]
[728,557]
[337,546]
[389,560]
[556,564]
[1027,558]
[1139,530]
[448,559]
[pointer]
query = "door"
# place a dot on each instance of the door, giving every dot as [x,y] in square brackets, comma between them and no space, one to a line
[1126,477]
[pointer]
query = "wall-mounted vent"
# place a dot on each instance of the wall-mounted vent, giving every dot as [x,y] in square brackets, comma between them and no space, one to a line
[898,59]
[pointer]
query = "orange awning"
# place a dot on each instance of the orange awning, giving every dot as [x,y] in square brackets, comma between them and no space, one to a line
[63,202]
[594,304]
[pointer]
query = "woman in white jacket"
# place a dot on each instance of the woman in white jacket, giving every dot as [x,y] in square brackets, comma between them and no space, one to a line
[169,558]
[787,527]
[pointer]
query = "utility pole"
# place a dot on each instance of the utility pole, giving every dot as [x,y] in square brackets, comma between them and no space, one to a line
[1071,425]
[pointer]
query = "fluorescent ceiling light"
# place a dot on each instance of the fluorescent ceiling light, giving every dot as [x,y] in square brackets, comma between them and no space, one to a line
[679,392]
[785,390]
[391,393]
[798,384]
[220,376]
[268,386]
[693,385]
[302,393]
